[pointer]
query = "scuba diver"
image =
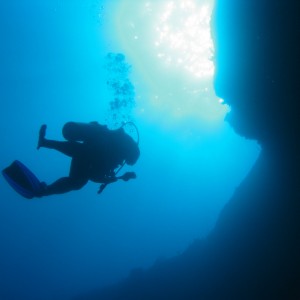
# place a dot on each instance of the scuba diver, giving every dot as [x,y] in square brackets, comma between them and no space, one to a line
[97,154]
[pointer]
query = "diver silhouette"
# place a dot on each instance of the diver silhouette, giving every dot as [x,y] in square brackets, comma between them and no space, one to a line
[96,153]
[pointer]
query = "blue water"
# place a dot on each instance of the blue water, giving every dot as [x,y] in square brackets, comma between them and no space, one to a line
[52,71]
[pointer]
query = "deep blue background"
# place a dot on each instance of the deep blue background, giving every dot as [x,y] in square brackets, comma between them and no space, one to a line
[51,57]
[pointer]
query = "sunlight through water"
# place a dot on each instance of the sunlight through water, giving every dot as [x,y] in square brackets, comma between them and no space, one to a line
[169,45]
[183,37]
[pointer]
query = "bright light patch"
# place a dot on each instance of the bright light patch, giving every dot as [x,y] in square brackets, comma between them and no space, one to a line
[170,47]
[183,36]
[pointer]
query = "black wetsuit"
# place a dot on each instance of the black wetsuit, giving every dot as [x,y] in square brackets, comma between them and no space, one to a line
[88,163]
[95,150]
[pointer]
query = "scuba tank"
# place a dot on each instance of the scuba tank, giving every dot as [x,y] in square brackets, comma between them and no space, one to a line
[115,144]
[83,132]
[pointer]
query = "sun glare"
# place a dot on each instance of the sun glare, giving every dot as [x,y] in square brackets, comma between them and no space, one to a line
[170,47]
[183,36]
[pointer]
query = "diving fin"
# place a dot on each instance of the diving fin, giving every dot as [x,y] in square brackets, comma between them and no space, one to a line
[23,181]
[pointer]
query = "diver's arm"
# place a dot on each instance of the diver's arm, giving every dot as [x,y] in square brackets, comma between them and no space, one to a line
[109,179]
[112,178]
[127,176]
[104,179]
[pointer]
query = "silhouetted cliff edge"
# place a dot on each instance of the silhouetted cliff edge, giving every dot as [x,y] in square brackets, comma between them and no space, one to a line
[254,250]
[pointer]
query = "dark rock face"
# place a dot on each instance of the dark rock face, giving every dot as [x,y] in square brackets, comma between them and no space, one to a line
[257,61]
[254,250]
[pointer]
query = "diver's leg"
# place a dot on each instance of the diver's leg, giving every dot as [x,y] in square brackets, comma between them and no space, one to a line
[68,148]
[77,178]
[64,185]
[42,134]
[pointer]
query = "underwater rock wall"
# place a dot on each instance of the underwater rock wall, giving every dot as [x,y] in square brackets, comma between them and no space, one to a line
[253,251]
